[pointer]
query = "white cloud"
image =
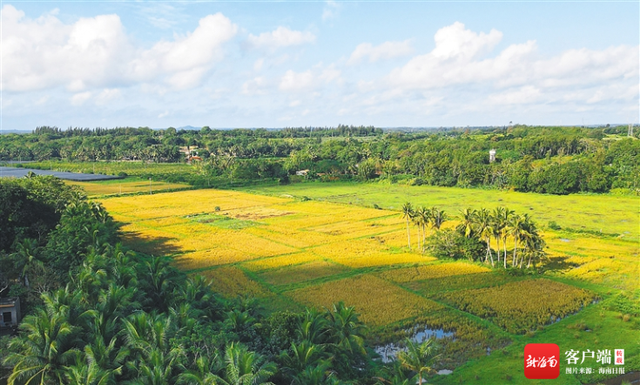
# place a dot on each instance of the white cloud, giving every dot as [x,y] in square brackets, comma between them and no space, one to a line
[107,95]
[163,114]
[309,80]
[331,10]
[518,73]
[281,37]
[297,81]
[79,98]
[386,50]
[96,52]
[522,95]
[456,42]
[186,59]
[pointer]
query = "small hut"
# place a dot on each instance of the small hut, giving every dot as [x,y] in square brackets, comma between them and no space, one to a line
[9,312]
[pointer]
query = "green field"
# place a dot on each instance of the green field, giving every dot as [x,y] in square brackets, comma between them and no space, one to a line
[609,214]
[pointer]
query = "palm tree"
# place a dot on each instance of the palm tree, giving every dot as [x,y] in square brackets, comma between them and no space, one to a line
[346,330]
[158,367]
[407,213]
[313,327]
[45,349]
[204,373]
[485,231]
[438,217]
[319,374]
[467,222]
[245,367]
[533,243]
[299,357]
[89,374]
[419,357]
[425,218]
[417,221]
[394,374]
[516,228]
[503,220]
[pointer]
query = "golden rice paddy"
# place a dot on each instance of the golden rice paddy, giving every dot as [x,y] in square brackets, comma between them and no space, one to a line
[523,305]
[317,253]
[231,282]
[126,186]
[379,302]
[418,273]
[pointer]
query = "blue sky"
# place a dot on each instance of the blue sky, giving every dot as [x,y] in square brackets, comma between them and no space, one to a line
[277,64]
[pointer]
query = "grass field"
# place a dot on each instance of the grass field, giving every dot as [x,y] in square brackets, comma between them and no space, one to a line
[297,252]
[599,213]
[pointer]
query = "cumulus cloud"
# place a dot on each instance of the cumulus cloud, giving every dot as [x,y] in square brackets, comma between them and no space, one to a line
[386,50]
[309,80]
[281,37]
[517,74]
[96,52]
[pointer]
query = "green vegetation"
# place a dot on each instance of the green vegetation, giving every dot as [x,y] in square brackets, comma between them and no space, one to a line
[554,160]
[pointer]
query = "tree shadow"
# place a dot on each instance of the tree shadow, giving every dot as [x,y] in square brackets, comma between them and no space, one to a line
[152,246]
[558,263]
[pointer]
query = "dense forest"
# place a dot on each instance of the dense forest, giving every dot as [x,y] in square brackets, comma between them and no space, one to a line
[99,314]
[555,160]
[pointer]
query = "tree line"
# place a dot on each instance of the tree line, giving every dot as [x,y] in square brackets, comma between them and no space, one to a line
[555,160]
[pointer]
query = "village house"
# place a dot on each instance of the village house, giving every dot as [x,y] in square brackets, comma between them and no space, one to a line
[9,312]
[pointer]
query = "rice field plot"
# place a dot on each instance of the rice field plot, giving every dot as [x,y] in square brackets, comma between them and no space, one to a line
[524,305]
[281,261]
[231,281]
[379,302]
[126,186]
[422,272]
[366,253]
[301,273]
[207,228]
[436,286]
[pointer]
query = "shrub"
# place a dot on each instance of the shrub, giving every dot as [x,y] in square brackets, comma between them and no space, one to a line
[554,226]
[451,244]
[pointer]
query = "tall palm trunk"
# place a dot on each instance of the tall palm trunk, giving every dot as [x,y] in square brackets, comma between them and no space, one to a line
[515,248]
[504,244]
[489,254]
[408,235]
